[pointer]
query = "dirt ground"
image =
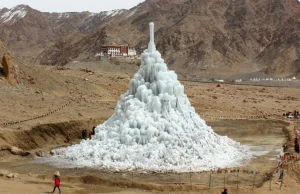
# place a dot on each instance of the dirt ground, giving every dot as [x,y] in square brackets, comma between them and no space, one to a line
[98,87]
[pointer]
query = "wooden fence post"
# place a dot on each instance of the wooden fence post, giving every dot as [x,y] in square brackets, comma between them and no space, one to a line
[191,178]
[224,180]
[132,178]
[237,180]
[167,180]
[270,183]
[254,181]
[209,184]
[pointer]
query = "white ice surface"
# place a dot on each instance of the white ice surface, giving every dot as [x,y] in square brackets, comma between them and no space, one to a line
[154,128]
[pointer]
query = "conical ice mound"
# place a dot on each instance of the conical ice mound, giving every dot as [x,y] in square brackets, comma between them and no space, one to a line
[154,128]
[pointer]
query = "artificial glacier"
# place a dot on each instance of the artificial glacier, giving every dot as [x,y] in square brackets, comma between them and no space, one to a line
[154,128]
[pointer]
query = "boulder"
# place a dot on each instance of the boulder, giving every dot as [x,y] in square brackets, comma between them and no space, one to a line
[14,150]
[40,153]
[6,65]
[18,151]
[10,175]
[52,152]
[3,172]
[9,70]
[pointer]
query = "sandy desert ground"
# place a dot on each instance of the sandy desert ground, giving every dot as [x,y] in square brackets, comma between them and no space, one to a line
[97,89]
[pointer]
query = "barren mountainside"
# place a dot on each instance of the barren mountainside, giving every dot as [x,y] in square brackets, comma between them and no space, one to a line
[28,31]
[194,36]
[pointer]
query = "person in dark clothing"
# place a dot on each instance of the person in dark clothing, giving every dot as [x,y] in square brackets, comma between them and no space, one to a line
[285,147]
[281,176]
[84,134]
[224,192]
[296,145]
[93,130]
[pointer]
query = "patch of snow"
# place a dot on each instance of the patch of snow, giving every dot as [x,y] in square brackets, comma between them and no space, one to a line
[63,15]
[154,128]
[131,13]
[92,14]
[15,13]
[60,15]
[114,12]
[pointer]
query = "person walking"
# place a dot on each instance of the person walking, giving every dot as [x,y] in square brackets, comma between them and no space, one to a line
[93,130]
[280,179]
[56,182]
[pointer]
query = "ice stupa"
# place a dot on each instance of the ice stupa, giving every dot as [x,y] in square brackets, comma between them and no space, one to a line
[154,128]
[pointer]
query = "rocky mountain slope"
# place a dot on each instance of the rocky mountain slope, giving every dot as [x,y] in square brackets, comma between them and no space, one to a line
[204,37]
[28,31]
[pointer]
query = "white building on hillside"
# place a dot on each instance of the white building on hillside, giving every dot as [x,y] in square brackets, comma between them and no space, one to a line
[118,50]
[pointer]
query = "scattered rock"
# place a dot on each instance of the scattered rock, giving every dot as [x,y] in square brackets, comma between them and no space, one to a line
[80,114]
[214,97]
[40,154]
[10,175]
[218,85]
[9,70]
[15,175]
[29,174]
[52,152]
[244,101]
[87,70]
[60,68]
[3,172]
[31,80]
[17,151]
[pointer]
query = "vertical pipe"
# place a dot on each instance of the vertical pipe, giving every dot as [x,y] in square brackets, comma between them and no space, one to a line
[151,45]
[151,26]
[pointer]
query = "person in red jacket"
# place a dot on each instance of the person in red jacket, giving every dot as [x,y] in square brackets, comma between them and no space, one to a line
[56,181]
[68,138]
